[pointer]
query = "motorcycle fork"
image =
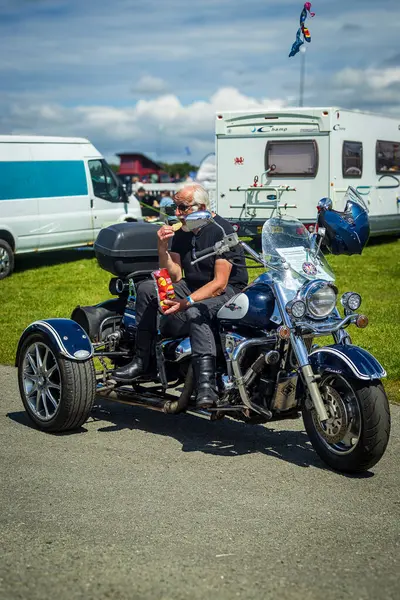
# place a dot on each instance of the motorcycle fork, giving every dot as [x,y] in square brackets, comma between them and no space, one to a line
[301,353]
[300,350]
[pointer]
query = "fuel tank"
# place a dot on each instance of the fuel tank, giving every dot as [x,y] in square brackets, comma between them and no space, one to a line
[251,308]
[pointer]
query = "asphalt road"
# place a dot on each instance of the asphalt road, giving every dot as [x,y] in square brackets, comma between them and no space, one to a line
[144,505]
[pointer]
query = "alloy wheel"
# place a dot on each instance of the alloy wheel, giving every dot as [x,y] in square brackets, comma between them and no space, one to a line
[4,261]
[41,381]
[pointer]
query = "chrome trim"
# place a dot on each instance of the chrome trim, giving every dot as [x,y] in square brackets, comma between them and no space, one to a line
[183,349]
[105,322]
[302,355]
[331,326]
[350,363]
[342,337]
[307,290]
[239,379]
[281,302]
[257,257]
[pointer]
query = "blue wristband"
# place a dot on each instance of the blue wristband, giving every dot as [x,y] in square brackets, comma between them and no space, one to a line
[190,299]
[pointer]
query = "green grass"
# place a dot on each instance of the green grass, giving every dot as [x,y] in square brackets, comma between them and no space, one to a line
[51,285]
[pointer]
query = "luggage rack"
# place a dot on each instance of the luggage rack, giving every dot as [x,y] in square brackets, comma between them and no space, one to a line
[251,193]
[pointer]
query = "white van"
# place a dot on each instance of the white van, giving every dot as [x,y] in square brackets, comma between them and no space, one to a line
[314,153]
[55,193]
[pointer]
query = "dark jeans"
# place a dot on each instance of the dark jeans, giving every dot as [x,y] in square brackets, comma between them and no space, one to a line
[194,321]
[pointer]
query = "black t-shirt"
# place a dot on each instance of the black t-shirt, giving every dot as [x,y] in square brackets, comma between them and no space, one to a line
[202,272]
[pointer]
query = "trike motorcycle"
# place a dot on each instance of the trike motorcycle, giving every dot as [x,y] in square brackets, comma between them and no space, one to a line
[269,364]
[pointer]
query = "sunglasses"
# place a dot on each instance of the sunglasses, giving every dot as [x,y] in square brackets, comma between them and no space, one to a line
[184,207]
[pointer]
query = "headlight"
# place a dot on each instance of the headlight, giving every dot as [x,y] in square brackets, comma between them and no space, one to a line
[320,298]
[351,300]
[296,308]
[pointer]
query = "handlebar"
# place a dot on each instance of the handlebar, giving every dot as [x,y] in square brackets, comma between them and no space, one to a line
[228,241]
[205,252]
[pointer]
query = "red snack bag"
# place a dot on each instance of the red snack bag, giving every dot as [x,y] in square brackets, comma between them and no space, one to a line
[165,289]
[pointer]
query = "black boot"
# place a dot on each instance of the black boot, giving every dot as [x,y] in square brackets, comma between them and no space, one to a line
[131,371]
[140,365]
[204,372]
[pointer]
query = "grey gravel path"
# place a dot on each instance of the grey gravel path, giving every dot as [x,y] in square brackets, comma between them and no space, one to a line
[143,505]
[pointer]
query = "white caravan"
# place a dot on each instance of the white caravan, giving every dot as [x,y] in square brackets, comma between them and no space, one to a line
[55,193]
[301,155]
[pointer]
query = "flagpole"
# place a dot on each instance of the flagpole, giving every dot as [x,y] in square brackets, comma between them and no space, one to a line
[302,74]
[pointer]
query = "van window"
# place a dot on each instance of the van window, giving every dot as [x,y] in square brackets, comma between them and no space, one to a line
[352,159]
[294,158]
[105,183]
[387,157]
[42,179]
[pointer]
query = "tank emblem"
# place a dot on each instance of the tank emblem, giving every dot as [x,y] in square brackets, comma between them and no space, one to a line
[239,160]
[232,306]
[309,268]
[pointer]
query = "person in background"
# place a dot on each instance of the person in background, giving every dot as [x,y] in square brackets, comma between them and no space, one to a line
[148,204]
[165,201]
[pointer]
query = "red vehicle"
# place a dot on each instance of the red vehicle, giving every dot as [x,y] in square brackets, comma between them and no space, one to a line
[134,164]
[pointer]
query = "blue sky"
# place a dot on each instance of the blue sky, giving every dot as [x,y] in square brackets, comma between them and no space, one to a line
[149,76]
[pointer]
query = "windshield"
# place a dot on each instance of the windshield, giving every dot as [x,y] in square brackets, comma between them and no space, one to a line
[290,254]
[354,196]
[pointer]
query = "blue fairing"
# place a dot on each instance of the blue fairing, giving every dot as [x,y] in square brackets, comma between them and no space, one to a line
[65,337]
[350,360]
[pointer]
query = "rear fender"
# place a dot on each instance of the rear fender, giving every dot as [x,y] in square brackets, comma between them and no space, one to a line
[65,337]
[351,361]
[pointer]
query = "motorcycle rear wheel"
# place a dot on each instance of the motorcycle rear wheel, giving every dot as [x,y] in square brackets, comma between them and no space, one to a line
[57,393]
[357,432]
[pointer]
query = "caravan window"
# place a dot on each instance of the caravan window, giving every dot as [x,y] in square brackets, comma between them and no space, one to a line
[294,158]
[352,159]
[387,157]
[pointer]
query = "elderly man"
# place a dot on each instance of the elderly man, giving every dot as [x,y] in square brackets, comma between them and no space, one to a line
[200,289]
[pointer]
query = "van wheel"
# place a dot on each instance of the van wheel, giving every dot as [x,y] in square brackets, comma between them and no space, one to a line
[6,259]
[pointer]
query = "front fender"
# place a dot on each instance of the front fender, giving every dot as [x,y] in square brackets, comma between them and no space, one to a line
[351,361]
[65,337]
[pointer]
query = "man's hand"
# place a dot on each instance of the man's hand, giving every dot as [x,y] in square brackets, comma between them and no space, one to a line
[164,233]
[176,306]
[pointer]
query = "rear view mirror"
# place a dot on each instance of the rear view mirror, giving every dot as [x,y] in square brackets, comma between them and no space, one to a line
[197,220]
[325,204]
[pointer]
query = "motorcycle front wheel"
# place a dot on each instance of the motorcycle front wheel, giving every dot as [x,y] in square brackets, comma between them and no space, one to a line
[357,432]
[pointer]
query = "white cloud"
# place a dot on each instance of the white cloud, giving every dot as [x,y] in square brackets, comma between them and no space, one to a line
[163,125]
[373,78]
[148,84]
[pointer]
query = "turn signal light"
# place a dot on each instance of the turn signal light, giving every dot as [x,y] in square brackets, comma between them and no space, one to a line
[362,321]
[284,332]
